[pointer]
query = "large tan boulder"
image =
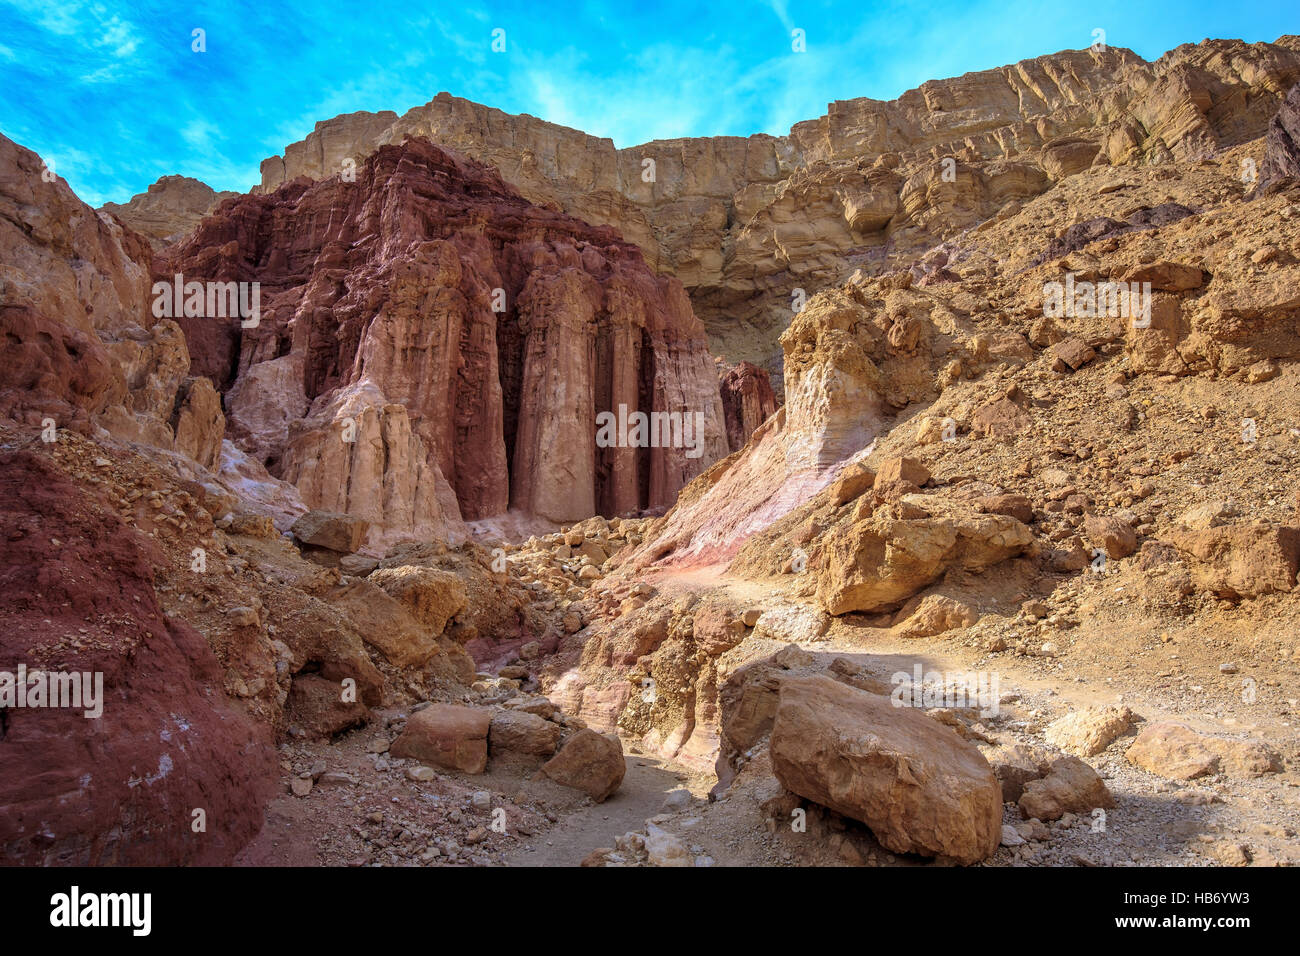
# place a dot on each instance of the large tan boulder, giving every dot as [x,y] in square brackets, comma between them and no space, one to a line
[894,470]
[917,785]
[590,762]
[1087,732]
[1174,750]
[1242,560]
[881,561]
[431,595]
[447,736]
[385,624]
[1069,786]
[332,531]
[519,732]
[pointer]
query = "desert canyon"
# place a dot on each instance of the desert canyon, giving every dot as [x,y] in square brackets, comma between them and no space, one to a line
[930,568]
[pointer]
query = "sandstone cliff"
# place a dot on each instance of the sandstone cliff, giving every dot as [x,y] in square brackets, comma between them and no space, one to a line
[169,210]
[434,348]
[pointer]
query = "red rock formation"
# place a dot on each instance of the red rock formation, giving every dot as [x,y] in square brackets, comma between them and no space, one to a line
[747,402]
[79,342]
[120,788]
[463,338]
[1282,144]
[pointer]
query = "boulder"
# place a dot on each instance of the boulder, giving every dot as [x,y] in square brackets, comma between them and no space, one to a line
[1242,560]
[1072,353]
[879,562]
[917,785]
[432,596]
[1014,765]
[934,614]
[447,736]
[590,762]
[894,470]
[1069,786]
[334,532]
[1166,276]
[1015,506]
[1112,535]
[1087,732]
[1174,750]
[520,732]
[319,707]
[792,623]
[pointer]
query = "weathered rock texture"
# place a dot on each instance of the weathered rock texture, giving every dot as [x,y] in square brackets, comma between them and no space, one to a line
[169,210]
[745,222]
[919,786]
[1282,147]
[432,348]
[747,402]
[118,787]
[81,346]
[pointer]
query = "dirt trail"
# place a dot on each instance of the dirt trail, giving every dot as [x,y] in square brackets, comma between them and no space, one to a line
[645,787]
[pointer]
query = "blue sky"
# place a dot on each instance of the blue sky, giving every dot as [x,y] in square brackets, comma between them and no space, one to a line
[113,94]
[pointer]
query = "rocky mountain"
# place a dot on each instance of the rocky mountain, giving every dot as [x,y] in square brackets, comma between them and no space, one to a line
[753,226]
[170,208]
[346,497]
[429,340]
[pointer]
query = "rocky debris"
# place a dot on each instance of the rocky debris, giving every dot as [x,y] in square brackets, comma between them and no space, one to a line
[664,849]
[1068,785]
[899,549]
[1174,750]
[916,784]
[447,736]
[590,762]
[1014,765]
[1086,733]
[334,532]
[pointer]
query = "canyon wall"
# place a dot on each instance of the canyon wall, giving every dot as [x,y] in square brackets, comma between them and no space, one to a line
[753,226]
[434,348]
